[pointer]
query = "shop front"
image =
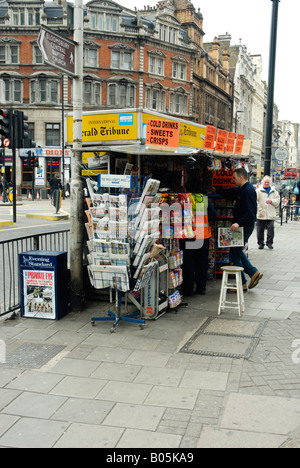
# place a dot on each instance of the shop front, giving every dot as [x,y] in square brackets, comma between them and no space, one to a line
[159,171]
[50,162]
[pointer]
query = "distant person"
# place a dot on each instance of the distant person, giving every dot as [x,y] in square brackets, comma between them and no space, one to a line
[268,199]
[296,190]
[55,184]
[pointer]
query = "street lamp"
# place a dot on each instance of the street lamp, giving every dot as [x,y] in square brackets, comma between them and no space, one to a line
[271,85]
[236,115]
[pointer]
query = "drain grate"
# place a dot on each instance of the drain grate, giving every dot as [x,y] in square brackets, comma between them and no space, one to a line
[32,355]
[233,338]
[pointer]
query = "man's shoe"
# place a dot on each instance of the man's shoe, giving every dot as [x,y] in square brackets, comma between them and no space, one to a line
[245,287]
[255,279]
[270,246]
[261,247]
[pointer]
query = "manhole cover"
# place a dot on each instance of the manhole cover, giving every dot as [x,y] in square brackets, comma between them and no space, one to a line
[32,355]
[225,338]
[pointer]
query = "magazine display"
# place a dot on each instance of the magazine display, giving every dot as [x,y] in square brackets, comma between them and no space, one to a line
[122,246]
[227,238]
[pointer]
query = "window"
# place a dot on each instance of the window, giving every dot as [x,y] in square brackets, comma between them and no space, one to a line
[178,103]
[52,134]
[38,57]
[90,57]
[156,65]
[156,99]
[13,90]
[44,90]
[121,94]
[105,22]
[26,16]
[179,71]
[121,60]
[91,92]
[9,54]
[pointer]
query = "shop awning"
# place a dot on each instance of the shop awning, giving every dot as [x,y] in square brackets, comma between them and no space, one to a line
[143,150]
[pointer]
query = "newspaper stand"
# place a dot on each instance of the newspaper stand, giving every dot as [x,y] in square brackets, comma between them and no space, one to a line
[112,258]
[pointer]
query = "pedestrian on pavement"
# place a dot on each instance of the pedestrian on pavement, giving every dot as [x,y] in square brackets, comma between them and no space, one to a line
[196,250]
[4,186]
[296,191]
[268,199]
[245,212]
[55,184]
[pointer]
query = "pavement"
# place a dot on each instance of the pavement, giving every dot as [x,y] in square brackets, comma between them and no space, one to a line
[68,384]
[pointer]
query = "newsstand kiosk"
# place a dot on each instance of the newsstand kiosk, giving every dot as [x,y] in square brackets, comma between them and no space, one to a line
[43,284]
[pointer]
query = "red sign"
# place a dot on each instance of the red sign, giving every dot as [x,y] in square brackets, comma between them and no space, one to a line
[223,178]
[221,141]
[230,142]
[239,144]
[162,133]
[210,135]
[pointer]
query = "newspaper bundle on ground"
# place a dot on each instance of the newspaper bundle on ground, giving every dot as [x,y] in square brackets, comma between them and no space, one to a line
[227,238]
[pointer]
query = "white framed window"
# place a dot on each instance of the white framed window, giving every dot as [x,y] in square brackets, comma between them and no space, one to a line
[13,90]
[44,90]
[179,71]
[105,22]
[121,94]
[26,17]
[37,55]
[9,53]
[121,60]
[156,65]
[178,103]
[156,99]
[92,92]
[90,57]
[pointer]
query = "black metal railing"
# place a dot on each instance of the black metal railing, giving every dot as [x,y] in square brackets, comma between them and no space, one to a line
[9,266]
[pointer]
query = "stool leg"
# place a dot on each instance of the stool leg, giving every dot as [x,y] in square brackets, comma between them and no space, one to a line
[239,292]
[223,292]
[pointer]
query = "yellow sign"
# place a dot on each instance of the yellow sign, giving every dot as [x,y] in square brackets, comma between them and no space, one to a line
[189,134]
[105,127]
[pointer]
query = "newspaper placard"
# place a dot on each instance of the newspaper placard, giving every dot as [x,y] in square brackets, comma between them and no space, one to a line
[227,238]
[39,294]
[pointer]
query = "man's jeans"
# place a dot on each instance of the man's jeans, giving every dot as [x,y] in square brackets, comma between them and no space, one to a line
[238,258]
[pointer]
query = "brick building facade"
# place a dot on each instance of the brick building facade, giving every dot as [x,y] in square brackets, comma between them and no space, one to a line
[151,59]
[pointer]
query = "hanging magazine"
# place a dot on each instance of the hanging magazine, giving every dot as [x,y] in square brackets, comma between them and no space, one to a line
[227,238]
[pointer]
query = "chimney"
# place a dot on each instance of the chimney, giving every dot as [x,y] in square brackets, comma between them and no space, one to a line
[215,50]
[226,60]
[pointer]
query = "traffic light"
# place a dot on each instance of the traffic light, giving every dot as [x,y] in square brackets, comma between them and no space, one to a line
[21,128]
[6,130]
[31,161]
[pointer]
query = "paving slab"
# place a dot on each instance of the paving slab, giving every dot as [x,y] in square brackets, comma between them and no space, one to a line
[224,438]
[257,413]
[33,433]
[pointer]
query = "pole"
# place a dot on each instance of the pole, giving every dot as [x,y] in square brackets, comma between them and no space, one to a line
[63,134]
[271,87]
[77,213]
[14,157]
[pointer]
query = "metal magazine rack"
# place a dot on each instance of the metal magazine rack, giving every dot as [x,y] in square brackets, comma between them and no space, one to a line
[122,233]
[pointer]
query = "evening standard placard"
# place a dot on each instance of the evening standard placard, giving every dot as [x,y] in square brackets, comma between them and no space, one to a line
[227,238]
[39,294]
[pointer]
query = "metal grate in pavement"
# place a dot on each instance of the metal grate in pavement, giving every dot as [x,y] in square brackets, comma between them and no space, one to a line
[32,355]
[219,337]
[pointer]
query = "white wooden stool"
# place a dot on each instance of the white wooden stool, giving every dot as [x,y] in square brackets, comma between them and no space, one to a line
[237,286]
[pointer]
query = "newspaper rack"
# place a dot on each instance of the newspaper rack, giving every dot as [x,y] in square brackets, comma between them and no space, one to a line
[112,251]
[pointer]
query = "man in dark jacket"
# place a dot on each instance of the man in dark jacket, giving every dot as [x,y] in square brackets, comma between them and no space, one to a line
[245,212]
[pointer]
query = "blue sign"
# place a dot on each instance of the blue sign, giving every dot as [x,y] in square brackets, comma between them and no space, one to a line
[126,119]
